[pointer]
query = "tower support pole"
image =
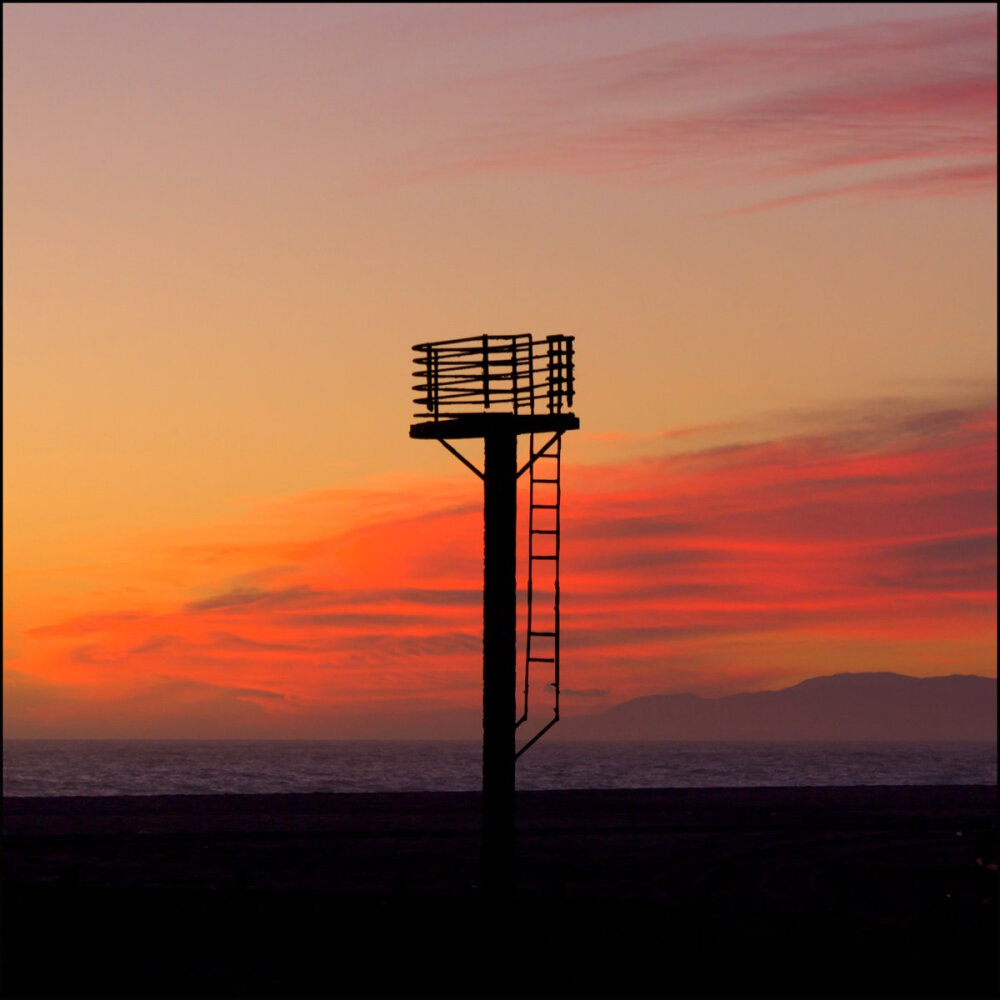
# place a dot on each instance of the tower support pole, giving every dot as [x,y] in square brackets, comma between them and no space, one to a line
[499,657]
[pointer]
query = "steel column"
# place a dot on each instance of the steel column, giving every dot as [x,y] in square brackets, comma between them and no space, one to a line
[499,657]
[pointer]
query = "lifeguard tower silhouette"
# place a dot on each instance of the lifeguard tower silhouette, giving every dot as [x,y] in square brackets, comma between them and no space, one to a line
[497,388]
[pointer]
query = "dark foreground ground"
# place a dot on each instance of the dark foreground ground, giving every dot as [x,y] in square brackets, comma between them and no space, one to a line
[677,892]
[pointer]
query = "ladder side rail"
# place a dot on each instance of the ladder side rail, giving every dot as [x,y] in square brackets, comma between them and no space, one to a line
[554,453]
[555,607]
[534,739]
[523,717]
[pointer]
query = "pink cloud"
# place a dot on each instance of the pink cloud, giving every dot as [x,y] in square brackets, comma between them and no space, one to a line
[966,180]
[950,45]
[869,95]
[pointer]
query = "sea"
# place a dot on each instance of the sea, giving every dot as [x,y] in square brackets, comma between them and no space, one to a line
[194,767]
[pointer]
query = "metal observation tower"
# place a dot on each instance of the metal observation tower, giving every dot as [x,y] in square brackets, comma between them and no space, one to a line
[497,388]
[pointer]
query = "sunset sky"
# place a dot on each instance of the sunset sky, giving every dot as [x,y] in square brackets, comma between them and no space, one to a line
[771,228]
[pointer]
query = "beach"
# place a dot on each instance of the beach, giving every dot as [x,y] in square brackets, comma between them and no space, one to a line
[832,891]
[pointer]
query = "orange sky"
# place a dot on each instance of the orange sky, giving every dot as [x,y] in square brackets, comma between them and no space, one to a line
[771,229]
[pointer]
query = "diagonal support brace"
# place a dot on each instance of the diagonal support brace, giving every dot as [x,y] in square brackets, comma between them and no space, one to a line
[462,458]
[541,451]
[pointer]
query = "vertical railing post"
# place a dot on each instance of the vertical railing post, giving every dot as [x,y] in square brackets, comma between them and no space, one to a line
[432,377]
[486,373]
[513,372]
[569,372]
[531,375]
[550,382]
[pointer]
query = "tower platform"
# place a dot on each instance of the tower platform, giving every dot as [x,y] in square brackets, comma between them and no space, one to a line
[480,425]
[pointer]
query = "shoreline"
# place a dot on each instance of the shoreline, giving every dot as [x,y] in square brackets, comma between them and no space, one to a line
[830,890]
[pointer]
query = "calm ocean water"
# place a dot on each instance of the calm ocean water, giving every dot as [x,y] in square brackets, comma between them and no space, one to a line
[162,767]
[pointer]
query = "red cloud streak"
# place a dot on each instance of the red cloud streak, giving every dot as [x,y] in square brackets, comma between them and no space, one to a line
[741,565]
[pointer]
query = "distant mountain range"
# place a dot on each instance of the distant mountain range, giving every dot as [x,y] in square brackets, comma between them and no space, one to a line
[865,706]
[862,706]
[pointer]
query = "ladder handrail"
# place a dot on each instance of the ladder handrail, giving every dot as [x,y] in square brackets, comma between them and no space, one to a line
[552,449]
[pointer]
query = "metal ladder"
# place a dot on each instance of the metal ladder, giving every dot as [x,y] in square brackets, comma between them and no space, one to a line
[544,498]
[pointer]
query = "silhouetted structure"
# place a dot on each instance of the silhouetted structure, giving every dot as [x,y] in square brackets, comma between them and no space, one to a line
[497,388]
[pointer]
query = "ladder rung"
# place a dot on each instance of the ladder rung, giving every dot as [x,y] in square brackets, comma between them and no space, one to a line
[544,557]
[545,506]
[545,480]
[541,659]
[551,635]
[544,531]
[545,454]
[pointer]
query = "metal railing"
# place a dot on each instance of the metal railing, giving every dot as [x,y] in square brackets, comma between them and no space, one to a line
[506,374]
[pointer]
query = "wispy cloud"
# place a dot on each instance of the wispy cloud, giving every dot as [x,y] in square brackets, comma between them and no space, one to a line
[875,97]
[959,181]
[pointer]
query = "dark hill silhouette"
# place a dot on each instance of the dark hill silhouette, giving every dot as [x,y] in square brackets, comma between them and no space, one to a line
[859,706]
[862,706]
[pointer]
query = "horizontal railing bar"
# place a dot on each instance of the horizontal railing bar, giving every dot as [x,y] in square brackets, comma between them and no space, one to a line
[471,371]
[475,364]
[458,392]
[501,364]
[455,378]
[446,371]
[553,339]
[476,344]
[461,379]
[454,392]
[432,415]
[477,348]
[473,340]
[461,384]
[464,387]
[466,398]
[496,388]
[476,357]
[465,376]
[504,350]
[527,350]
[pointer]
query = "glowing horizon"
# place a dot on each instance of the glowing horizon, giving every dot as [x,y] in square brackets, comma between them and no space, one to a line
[771,230]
